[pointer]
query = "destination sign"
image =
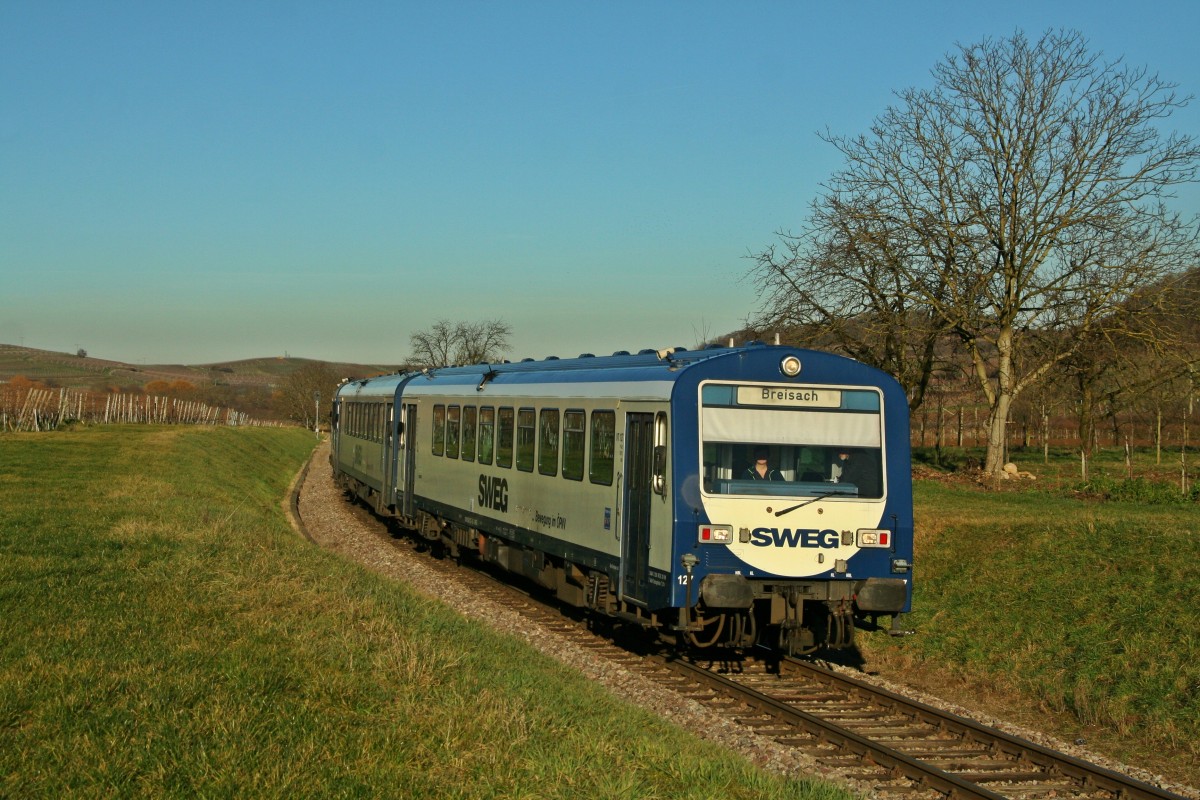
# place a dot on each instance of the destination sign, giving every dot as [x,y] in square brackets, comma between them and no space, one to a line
[789,396]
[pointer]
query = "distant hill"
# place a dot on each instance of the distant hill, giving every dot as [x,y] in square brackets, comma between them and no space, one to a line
[98,374]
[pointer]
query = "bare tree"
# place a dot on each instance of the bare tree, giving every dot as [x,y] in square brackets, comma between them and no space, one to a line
[446,343]
[1151,343]
[301,394]
[434,347]
[480,342]
[1022,203]
[838,286]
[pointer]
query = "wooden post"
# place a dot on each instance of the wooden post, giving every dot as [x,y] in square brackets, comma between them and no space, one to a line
[1045,436]
[1158,435]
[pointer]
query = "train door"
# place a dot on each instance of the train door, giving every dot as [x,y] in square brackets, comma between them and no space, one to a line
[389,461]
[408,457]
[635,544]
[335,429]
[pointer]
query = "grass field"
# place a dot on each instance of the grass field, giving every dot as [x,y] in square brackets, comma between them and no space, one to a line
[163,632]
[1056,607]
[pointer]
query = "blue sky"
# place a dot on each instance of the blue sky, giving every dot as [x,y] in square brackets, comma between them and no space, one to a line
[189,182]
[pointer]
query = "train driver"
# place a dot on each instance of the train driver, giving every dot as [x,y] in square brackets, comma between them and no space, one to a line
[761,470]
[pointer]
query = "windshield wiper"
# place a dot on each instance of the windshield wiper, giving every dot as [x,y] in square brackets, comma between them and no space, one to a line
[821,496]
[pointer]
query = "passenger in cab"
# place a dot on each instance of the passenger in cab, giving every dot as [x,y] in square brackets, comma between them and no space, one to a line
[859,468]
[761,470]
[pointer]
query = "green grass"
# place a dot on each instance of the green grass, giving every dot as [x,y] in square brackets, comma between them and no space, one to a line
[163,632]
[1063,603]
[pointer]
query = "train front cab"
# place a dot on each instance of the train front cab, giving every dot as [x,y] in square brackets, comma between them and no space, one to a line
[791,561]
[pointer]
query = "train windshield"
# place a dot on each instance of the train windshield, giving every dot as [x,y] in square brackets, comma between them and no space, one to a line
[793,441]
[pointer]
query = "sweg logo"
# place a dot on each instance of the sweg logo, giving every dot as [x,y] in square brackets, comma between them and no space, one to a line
[800,537]
[493,493]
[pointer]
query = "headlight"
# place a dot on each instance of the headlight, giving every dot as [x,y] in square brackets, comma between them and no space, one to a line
[870,537]
[716,534]
[790,366]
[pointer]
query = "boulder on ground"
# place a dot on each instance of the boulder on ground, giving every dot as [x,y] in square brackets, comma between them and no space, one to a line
[1011,472]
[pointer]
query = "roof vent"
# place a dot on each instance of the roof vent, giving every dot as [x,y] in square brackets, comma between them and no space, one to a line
[587,355]
[621,353]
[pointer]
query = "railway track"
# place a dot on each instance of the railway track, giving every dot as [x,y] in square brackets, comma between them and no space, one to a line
[873,736]
[901,745]
[888,744]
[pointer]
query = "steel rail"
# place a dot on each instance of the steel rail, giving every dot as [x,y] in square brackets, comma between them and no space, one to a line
[925,774]
[1086,774]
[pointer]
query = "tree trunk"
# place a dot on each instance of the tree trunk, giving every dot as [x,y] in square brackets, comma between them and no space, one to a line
[1086,418]
[1001,403]
[997,435]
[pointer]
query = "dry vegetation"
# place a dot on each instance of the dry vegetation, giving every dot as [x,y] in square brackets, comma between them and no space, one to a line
[258,388]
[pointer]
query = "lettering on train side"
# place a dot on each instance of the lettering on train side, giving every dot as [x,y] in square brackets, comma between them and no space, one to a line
[798,537]
[493,493]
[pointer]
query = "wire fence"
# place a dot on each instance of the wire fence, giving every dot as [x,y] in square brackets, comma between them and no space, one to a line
[33,409]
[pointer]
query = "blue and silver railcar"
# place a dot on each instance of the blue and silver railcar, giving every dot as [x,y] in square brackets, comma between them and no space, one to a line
[627,484]
[362,444]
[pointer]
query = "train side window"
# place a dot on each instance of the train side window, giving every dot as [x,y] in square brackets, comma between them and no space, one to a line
[468,433]
[526,438]
[604,426]
[548,442]
[573,439]
[439,429]
[487,430]
[504,442]
[453,414]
